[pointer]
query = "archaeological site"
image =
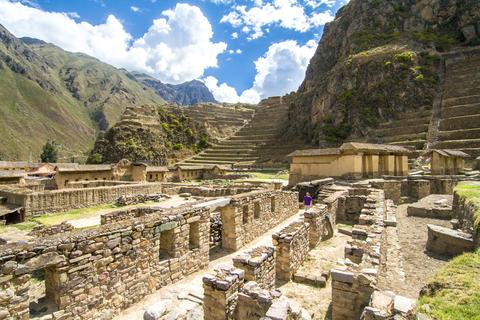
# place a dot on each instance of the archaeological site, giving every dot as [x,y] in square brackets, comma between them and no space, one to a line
[344,184]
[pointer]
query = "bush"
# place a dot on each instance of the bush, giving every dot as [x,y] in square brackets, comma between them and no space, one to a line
[178,146]
[49,152]
[405,57]
[203,143]
[96,158]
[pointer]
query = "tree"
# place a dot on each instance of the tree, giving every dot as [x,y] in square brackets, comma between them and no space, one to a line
[49,152]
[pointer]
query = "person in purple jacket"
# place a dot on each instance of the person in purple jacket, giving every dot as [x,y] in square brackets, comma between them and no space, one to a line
[307,201]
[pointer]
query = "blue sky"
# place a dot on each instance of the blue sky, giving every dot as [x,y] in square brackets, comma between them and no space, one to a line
[242,50]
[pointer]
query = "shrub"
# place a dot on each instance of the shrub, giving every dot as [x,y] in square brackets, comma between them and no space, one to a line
[405,57]
[96,158]
[178,146]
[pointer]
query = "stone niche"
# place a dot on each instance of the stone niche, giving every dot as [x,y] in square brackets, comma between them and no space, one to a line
[94,274]
[259,266]
[292,244]
[249,215]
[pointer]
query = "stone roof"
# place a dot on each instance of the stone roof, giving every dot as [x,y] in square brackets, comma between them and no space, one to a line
[315,152]
[19,164]
[451,153]
[157,169]
[373,147]
[84,167]
[12,174]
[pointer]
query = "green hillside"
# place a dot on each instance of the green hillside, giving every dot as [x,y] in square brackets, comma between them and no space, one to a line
[48,93]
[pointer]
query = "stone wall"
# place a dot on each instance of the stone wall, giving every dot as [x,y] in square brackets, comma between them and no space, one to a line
[43,231]
[120,215]
[464,211]
[292,246]
[215,229]
[96,184]
[249,215]
[258,265]
[66,199]
[94,274]
[353,284]
[221,293]
[448,242]
[321,225]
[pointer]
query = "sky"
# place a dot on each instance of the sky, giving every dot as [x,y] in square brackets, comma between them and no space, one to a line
[243,50]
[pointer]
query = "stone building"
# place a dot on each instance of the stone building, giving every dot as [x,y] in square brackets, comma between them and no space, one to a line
[12,177]
[351,160]
[124,170]
[191,172]
[157,174]
[444,161]
[18,166]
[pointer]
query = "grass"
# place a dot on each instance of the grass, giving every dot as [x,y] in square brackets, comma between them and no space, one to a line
[454,291]
[22,226]
[471,192]
[82,213]
[270,175]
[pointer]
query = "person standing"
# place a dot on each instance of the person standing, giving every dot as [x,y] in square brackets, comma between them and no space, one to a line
[307,201]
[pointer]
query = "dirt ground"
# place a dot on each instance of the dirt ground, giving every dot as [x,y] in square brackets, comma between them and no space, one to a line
[321,258]
[418,265]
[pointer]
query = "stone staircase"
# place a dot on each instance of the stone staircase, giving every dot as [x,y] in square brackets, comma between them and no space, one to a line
[459,124]
[409,129]
[454,121]
[256,143]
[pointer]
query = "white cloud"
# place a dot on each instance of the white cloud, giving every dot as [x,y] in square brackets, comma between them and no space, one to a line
[74,15]
[279,71]
[321,18]
[238,51]
[176,48]
[135,9]
[288,14]
[235,35]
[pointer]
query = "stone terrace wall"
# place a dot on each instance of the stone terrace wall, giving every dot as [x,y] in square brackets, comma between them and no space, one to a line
[93,274]
[353,285]
[292,246]
[96,183]
[259,266]
[249,215]
[58,200]
[120,215]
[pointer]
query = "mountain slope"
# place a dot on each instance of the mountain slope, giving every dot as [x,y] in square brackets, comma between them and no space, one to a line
[375,61]
[48,93]
[187,93]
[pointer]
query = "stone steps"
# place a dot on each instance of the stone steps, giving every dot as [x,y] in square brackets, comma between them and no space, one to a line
[417,144]
[449,102]
[405,137]
[458,144]
[460,134]
[401,130]
[461,110]
[404,122]
[462,122]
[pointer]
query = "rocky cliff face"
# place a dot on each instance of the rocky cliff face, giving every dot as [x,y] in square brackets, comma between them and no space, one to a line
[187,93]
[376,59]
[150,133]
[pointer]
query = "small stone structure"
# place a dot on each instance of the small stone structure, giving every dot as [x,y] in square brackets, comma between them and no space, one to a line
[292,246]
[437,206]
[448,242]
[321,225]
[93,274]
[351,160]
[249,215]
[221,293]
[120,215]
[445,161]
[139,198]
[258,265]
[42,231]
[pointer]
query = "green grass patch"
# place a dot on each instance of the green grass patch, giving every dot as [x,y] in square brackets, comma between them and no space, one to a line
[471,192]
[22,226]
[82,213]
[453,293]
[270,175]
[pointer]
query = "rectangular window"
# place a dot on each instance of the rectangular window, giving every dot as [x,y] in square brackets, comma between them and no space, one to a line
[166,245]
[151,176]
[256,210]
[194,235]
[245,214]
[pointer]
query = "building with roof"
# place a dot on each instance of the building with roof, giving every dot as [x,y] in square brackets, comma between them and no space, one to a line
[157,174]
[195,172]
[446,161]
[352,160]
[12,177]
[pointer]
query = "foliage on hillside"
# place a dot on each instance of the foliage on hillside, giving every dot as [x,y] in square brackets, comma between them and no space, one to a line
[46,92]
[454,292]
[150,133]
[376,59]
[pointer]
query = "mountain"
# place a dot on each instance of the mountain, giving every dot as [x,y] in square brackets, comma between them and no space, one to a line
[376,60]
[152,133]
[187,93]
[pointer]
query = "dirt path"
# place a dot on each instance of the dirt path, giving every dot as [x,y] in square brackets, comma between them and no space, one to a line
[417,264]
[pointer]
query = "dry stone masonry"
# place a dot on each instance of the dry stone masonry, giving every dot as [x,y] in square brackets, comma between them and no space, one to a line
[258,265]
